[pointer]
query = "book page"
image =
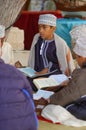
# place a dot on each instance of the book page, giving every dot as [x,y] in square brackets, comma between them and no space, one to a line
[59,78]
[42,93]
[28,71]
[45,82]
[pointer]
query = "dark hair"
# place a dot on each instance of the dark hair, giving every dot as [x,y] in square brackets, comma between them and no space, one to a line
[51,26]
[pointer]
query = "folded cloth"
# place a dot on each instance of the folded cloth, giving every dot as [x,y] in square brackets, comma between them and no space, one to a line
[57,113]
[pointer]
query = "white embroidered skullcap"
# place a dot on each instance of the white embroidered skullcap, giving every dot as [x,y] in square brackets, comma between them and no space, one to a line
[78,31]
[47,19]
[80,47]
[2,31]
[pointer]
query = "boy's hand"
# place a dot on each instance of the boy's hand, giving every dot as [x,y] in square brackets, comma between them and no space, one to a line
[44,71]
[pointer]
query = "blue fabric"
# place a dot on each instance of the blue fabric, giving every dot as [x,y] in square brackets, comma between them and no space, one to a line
[16,111]
[28,97]
[78,108]
[65,25]
[45,55]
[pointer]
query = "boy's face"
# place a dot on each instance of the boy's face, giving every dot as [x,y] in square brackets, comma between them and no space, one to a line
[46,31]
[2,40]
[80,60]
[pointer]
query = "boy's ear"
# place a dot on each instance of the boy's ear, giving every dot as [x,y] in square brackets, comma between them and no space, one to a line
[54,28]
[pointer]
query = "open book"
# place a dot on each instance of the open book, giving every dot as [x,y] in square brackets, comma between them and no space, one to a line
[53,80]
[42,94]
[28,71]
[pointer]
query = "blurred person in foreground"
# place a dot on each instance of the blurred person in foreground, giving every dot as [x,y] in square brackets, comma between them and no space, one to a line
[17,111]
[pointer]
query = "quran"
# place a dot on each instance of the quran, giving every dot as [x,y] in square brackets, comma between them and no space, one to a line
[53,80]
[30,72]
[42,94]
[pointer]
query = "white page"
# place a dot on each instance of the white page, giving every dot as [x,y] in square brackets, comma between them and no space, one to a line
[59,78]
[42,93]
[28,71]
[45,82]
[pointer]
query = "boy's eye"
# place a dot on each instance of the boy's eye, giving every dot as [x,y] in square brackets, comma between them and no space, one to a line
[45,27]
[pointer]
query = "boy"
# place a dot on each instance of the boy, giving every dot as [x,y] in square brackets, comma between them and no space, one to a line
[73,96]
[49,52]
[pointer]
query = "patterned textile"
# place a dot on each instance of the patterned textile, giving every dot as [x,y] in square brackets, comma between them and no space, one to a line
[47,19]
[80,46]
[78,31]
[16,38]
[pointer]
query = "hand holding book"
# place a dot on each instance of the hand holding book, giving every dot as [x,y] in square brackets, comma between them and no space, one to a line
[30,72]
[44,71]
[53,80]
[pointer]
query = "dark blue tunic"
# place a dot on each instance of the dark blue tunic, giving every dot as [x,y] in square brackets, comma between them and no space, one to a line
[45,55]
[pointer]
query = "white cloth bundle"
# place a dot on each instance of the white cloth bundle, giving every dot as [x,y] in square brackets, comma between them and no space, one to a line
[57,113]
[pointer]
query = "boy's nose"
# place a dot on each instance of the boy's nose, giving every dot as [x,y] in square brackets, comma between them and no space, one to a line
[40,30]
